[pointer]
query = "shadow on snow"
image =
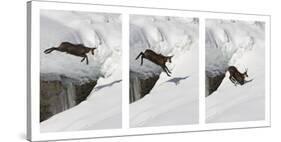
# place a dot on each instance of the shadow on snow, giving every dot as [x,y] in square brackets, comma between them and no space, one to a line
[177,80]
[107,85]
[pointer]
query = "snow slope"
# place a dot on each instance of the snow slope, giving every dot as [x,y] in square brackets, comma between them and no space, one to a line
[242,44]
[173,100]
[102,109]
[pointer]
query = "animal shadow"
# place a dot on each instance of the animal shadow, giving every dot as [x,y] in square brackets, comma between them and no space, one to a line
[177,80]
[107,85]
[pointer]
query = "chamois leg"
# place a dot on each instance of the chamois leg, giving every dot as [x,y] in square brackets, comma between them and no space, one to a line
[142,60]
[141,54]
[83,59]
[230,78]
[233,80]
[165,71]
[87,61]
[236,83]
[47,51]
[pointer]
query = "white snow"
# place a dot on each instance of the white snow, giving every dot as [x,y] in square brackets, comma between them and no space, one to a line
[102,109]
[173,100]
[99,30]
[242,44]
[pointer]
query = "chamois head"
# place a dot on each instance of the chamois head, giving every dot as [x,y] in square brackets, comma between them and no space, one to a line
[169,59]
[92,50]
[245,73]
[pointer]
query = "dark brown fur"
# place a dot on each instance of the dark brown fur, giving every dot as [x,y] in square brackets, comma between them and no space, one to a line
[158,59]
[236,76]
[73,49]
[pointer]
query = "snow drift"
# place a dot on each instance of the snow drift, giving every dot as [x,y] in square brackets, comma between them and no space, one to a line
[242,44]
[173,100]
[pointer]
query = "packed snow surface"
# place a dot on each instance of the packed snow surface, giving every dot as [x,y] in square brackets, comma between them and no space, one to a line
[102,108]
[173,100]
[240,44]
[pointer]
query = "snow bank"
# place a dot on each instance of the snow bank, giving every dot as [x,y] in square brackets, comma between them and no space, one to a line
[173,100]
[238,43]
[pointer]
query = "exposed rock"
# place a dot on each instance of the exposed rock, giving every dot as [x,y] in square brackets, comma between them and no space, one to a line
[140,85]
[59,93]
[83,91]
[212,83]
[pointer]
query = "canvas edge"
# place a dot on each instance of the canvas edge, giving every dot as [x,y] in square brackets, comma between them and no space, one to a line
[29,101]
[28,59]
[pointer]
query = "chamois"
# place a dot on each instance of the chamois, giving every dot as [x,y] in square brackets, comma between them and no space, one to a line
[158,59]
[237,77]
[73,49]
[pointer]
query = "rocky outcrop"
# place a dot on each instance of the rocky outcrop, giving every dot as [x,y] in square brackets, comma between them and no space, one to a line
[212,83]
[140,85]
[59,93]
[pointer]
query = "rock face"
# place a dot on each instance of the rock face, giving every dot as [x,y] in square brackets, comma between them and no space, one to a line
[140,85]
[212,83]
[59,93]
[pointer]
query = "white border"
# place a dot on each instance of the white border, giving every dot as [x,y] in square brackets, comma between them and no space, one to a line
[34,74]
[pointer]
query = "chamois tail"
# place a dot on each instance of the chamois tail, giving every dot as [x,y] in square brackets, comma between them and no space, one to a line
[47,51]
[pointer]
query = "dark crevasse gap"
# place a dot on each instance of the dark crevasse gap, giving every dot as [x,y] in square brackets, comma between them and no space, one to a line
[212,82]
[59,93]
[140,85]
